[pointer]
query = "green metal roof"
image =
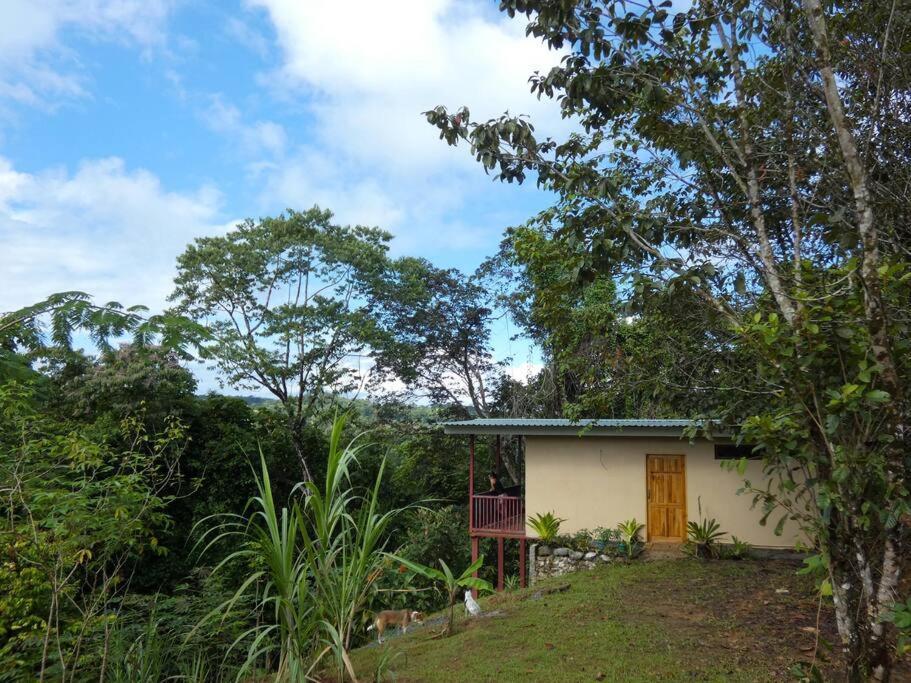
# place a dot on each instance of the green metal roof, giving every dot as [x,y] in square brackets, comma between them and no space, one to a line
[560,427]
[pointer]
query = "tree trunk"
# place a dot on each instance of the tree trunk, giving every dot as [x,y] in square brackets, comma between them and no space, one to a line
[862,592]
[506,459]
[297,441]
[885,598]
[846,594]
[865,590]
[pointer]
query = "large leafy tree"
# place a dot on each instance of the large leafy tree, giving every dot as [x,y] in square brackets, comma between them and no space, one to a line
[437,323]
[754,154]
[652,357]
[287,304]
[146,381]
[438,344]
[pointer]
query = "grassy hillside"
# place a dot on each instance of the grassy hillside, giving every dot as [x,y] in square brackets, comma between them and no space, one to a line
[678,620]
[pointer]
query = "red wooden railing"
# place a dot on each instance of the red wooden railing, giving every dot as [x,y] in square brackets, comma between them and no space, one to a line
[498,514]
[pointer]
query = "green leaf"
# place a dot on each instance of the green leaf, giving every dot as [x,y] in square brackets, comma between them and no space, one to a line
[447,572]
[476,583]
[742,466]
[878,396]
[421,569]
[740,284]
[475,566]
[779,528]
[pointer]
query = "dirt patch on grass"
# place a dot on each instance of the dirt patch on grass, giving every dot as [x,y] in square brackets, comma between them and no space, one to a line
[758,610]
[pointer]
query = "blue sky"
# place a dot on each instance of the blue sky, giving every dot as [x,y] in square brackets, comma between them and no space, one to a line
[129,127]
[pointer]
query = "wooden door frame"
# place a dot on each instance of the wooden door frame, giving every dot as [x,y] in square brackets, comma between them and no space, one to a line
[648,536]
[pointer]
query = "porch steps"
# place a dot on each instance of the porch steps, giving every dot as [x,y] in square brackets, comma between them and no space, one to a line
[663,551]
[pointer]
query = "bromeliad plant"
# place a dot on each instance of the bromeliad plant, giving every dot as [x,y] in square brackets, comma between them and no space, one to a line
[704,536]
[511,583]
[450,583]
[629,536]
[546,525]
[317,560]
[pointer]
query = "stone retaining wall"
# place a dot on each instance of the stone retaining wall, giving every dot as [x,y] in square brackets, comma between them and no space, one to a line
[545,562]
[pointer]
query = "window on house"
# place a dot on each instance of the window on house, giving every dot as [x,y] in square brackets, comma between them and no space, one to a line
[736,452]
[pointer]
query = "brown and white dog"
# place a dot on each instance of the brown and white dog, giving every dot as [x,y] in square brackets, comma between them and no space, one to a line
[401,617]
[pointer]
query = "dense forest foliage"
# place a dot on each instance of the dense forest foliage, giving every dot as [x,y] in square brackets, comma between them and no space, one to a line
[118,475]
[728,240]
[112,470]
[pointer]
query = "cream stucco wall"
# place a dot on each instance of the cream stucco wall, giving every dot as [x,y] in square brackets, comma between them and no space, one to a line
[599,481]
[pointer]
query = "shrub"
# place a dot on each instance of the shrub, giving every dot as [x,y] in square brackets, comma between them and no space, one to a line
[433,534]
[546,526]
[738,550]
[603,538]
[78,507]
[581,541]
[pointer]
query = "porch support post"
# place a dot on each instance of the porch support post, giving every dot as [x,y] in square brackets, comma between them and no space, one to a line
[521,563]
[499,451]
[499,563]
[474,539]
[474,557]
[471,483]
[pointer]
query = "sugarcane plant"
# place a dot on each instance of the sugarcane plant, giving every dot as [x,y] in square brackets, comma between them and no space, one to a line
[318,558]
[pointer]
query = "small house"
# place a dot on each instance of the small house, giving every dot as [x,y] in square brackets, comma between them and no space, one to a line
[597,473]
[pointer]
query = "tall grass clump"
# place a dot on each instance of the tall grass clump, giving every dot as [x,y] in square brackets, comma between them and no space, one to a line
[312,565]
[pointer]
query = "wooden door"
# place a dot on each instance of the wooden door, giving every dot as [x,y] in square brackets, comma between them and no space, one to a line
[666,491]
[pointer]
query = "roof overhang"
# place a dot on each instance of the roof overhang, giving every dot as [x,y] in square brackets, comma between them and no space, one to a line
[586,427]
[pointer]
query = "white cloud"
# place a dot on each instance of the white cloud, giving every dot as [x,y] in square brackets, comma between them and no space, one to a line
[254,138]
[426,212]
[523,372]
[311,178]
[37,69]
[371,68]
[243,33]
[364,71]
[104,229]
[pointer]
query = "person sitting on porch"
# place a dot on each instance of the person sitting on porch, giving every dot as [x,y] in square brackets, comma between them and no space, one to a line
[496,488]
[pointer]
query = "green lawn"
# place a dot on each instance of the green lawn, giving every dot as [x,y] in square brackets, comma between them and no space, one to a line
[680,620]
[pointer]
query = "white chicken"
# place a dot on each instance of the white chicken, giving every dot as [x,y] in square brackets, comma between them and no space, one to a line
[471,605]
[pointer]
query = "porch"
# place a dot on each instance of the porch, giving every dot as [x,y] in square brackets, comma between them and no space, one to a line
[496,515]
